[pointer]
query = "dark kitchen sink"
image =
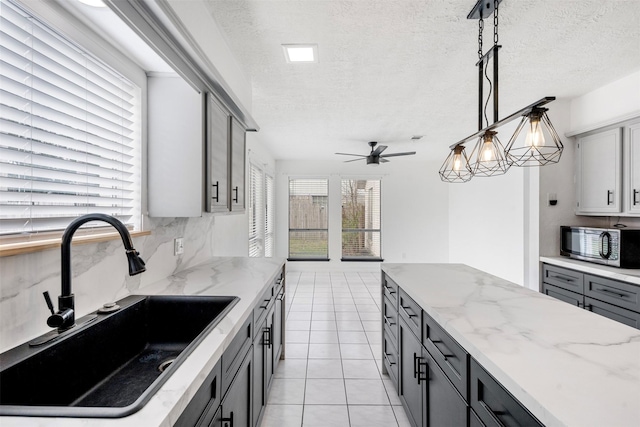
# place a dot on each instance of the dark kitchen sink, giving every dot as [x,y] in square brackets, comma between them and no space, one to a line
[112,366]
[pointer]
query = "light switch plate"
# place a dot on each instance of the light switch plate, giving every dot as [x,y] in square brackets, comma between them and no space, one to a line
[178,246]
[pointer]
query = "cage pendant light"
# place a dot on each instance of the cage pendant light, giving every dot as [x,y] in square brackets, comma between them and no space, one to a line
[456,166]
[537,147]
[535,142]
[487,157]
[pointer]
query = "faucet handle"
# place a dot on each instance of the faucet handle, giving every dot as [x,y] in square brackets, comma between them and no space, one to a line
[47,299]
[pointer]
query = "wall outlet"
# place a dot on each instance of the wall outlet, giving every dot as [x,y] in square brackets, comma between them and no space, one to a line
[552,199]
[178,246]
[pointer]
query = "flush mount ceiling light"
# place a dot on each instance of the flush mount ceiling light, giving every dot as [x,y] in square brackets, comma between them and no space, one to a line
[294,53]
[541,144]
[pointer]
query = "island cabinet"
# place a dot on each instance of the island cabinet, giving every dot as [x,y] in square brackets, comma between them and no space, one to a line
[433,374]
[614,299]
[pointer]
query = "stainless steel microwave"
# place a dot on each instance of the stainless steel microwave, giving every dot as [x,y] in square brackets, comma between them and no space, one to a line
[617,247]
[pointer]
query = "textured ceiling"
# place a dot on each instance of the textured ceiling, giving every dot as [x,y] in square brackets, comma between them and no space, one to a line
[390,69]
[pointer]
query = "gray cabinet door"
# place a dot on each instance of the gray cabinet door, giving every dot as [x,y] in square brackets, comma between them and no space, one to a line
[259,386]
[410,389]
[236,405]
[563,295]
[443,404]
[217,154]
[619,314]
[278,328]
[237,166]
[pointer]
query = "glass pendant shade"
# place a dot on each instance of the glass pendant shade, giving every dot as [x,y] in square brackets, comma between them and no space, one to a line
[456,166]
[487,157]
[535,142]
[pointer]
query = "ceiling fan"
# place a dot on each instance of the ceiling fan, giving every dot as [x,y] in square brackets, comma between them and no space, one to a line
[376,157]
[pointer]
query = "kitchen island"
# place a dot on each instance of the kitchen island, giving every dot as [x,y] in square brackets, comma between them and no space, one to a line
[566,366]
[246,278]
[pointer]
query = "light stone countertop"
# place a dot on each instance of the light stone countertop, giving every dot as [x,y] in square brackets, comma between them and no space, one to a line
[624,274]
[242,277]
[568,366]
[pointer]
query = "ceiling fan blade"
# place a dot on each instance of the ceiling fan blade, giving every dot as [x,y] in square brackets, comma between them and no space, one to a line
[349,154]
[383,160]
[408,153]
[354,160]
[378,150]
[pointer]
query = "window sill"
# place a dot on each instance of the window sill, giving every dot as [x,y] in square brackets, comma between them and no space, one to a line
[355,259]
[25,247]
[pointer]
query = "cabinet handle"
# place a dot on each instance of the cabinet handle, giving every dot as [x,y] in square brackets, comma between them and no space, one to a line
[493,414]
[609,194]
[415,364]
[612,292]
[217,186]
[235,199]
[386,357]
[435,344]
[227,422]
[427,378]
[635,199]
[588,307]
[407,313]
[389,289]
[267,333]
[387,321]
[561,278]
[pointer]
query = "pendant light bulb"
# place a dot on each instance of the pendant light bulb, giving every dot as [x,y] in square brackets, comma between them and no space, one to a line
[487,150]
[488,156]
[456,162]
[456,167]
[535,136]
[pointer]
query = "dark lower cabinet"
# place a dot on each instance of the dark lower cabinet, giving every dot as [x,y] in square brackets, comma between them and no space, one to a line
[444,407]
[613,312]
[264,363]
[278,326]
[205,402]
[493,404]
[235,410]
[410,388]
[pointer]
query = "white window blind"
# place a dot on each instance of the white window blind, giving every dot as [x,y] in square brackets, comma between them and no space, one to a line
[360,219]
[69,131]
[256,212]
[269,217]
[308,221]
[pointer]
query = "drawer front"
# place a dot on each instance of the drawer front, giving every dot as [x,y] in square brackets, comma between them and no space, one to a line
[233,355]
[494,405]
[448,354]
[410,312]
[563,295]
[390,317]
[207,399]
[614,292]
[262,307]
[564,278]
[390,357]
[619,314]
[390,289]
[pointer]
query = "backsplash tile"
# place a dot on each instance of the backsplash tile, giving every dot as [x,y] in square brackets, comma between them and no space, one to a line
[99,271]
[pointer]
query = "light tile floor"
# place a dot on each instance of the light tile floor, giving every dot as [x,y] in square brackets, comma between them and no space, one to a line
[332,374]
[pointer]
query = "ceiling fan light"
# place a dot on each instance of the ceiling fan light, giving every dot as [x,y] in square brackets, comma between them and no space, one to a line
[535,142]
[488,157]
[456,166]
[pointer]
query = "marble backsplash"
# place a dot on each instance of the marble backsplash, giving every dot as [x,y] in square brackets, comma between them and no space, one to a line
[100,272]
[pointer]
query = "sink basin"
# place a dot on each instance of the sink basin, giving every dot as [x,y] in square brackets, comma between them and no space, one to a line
[112,366]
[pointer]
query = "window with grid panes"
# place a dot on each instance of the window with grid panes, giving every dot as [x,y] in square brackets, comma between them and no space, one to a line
[361,219]
[308,219]
[69,131]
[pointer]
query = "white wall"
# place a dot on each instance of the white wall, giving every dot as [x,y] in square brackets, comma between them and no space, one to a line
[414,210]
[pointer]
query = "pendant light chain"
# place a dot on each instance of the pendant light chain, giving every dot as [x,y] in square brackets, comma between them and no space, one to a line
[480,28]
[495,23]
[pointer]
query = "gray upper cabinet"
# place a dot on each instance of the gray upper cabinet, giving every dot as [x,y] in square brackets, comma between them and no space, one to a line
[599,178]
[218,131]
[632,170]
[238,155]
[608,171]
[226,158]
[175,136]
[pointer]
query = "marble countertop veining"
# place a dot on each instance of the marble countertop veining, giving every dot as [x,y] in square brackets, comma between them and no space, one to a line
[624,274]
[225,276]
[568,366]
